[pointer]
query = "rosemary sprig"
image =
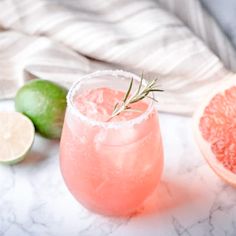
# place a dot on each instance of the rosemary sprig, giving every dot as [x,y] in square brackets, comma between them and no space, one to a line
[138,95]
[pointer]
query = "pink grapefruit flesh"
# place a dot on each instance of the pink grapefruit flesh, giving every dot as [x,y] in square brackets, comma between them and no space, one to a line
[215,130]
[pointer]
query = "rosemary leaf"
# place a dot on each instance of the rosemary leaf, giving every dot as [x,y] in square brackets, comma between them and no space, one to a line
[137,96]
[129,90]
[152,98]
[115,107]
[156,90]
[133,110]
[140,84]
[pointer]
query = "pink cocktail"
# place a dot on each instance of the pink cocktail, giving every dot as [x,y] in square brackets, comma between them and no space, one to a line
[110,165]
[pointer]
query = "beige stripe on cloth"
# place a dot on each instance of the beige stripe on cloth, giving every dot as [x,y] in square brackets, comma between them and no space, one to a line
[203,25]
[62,41]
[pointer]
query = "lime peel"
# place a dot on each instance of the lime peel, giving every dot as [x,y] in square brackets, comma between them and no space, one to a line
[44,102]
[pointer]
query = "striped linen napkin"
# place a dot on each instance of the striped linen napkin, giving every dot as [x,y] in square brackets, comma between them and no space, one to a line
[62,40]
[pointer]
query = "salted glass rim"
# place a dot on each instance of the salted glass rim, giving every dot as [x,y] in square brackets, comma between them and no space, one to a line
[111,124]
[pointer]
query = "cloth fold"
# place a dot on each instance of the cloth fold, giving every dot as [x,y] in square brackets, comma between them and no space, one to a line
[62,40]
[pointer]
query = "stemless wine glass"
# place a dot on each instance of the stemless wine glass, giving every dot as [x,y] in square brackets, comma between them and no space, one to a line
[110,167]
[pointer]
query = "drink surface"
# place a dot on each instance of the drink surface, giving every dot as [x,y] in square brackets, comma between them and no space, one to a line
[110,170]
[99,103]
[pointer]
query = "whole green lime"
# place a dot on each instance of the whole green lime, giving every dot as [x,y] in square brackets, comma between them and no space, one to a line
[44,102]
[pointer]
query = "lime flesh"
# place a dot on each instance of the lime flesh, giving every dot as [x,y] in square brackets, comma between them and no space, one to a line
[16,137]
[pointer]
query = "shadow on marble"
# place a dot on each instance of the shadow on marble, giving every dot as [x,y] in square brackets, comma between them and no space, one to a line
[42,150]
[34,157]
[167,196]
[38,155]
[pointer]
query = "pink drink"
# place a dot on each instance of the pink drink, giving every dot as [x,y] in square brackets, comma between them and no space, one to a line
[112,166]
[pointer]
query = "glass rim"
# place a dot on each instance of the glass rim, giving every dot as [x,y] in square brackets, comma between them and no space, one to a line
[111,124]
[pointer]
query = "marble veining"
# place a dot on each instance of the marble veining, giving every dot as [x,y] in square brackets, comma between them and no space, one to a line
[191,199]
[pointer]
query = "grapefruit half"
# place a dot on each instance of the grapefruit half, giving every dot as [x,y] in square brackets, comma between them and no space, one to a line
[215,129]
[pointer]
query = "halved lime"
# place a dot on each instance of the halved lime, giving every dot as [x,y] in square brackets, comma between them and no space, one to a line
[16,136]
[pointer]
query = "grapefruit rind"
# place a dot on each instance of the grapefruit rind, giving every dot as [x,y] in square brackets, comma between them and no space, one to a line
[203,145]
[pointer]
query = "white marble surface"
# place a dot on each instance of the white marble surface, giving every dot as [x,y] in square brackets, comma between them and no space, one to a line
[191,200]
